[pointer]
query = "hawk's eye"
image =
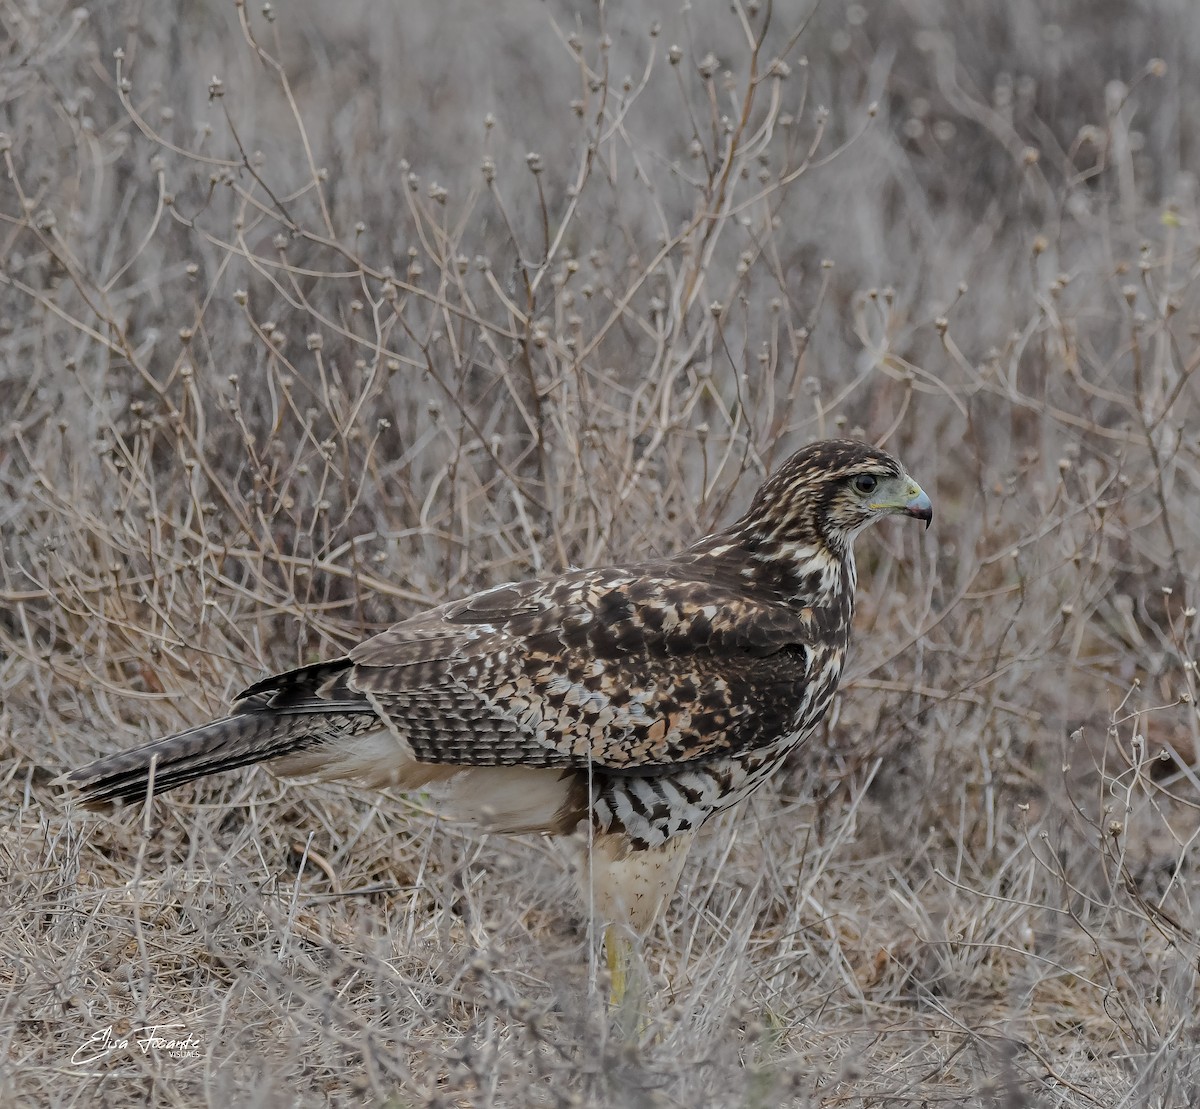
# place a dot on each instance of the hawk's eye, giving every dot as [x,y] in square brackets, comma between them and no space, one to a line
[865,483]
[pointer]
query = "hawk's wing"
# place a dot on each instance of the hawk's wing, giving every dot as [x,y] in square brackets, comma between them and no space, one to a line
[618,668]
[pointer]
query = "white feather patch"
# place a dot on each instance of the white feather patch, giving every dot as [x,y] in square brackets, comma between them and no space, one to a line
[506,798]
[628,887]
[495,798]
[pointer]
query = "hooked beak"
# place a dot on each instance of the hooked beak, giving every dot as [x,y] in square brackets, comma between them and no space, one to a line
[911,502]
[920,507]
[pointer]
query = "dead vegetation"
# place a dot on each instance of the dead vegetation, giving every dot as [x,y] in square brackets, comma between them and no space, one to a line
[312,317]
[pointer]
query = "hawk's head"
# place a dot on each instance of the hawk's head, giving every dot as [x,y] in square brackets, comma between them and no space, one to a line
[829,491]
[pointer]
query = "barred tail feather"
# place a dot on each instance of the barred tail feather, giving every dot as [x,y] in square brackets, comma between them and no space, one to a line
[238,740]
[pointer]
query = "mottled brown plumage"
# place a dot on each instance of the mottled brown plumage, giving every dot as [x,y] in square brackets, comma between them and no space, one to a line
[641,698]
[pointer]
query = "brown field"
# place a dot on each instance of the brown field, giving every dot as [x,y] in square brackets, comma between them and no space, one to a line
[312,317]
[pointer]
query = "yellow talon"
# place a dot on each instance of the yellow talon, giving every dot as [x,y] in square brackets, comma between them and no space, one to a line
[617,953]
[628,984]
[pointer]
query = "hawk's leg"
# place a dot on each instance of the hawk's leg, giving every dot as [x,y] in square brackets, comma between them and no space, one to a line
[626,888]
[628,976]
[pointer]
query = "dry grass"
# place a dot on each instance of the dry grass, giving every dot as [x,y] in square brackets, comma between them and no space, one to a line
[403,304]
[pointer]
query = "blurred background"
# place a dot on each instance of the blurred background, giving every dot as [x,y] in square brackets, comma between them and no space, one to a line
[312,316]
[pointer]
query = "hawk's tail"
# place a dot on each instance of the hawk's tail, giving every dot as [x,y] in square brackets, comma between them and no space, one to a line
[237,740]
[280,716]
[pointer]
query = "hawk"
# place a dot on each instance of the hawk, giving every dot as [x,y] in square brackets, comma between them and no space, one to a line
[630,703]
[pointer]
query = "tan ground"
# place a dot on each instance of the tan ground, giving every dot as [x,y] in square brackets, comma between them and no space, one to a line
[295,349]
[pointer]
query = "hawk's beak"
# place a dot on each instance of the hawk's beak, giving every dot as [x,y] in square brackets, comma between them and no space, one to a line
[912,502]
[920,506]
